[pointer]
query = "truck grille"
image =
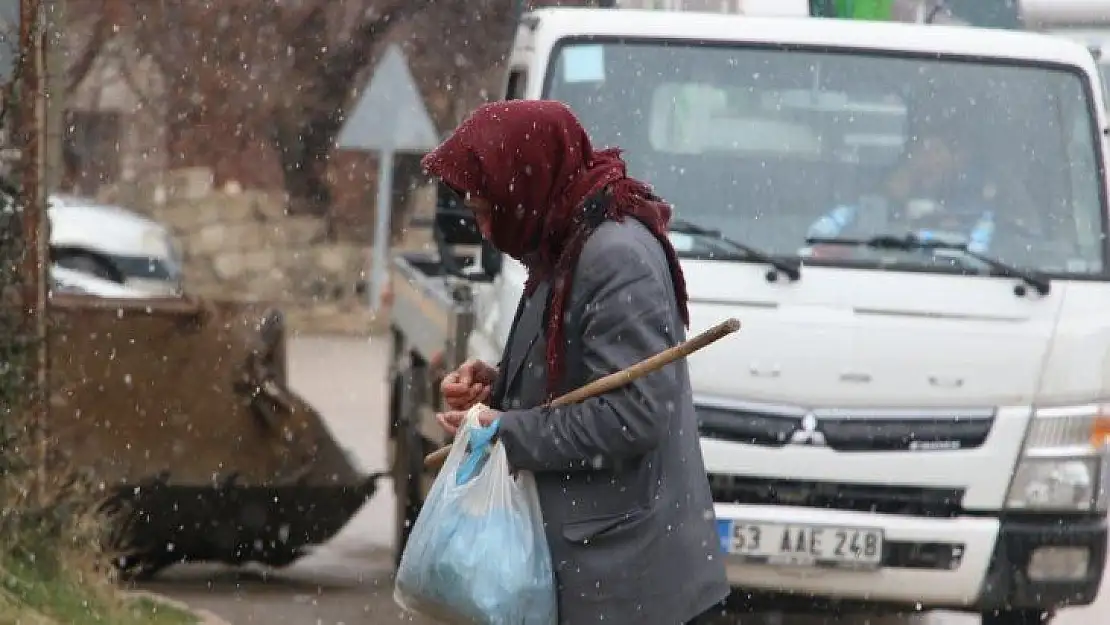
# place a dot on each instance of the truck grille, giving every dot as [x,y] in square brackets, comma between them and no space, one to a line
[902,500]
[846,430]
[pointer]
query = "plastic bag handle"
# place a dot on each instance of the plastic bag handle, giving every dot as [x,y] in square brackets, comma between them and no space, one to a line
[479,445]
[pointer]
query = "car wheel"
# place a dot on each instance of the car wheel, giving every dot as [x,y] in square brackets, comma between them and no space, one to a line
[1017,617]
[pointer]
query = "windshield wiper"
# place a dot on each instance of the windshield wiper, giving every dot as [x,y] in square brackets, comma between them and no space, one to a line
[790,267]
[911,242]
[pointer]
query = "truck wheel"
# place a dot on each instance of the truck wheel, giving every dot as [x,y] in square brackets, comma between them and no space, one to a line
[1017,617]
[408,465]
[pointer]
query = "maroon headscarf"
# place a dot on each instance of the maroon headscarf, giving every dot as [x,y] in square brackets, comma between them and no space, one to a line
[532,160]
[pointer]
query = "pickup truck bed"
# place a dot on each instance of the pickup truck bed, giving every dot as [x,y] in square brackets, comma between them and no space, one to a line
[432,317]
[432,312]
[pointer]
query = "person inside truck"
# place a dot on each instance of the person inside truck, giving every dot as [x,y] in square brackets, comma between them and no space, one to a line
[945,186]
[620,477]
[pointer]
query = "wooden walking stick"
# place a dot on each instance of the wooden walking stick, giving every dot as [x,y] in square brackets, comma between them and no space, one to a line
[434,460]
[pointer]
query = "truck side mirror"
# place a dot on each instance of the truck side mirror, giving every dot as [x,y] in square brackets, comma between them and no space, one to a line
[491,259]
[454,221]
[454,227]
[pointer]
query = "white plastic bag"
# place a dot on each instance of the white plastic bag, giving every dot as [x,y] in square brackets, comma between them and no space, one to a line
[477,554]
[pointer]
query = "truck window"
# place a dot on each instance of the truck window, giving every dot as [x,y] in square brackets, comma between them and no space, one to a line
[761,144]
[1104,75]
[1084,177]
[518,82]
[696,117]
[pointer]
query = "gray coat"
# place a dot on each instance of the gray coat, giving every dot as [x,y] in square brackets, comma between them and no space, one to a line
[621,478]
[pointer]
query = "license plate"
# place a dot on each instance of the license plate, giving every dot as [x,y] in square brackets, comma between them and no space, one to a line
[802,545]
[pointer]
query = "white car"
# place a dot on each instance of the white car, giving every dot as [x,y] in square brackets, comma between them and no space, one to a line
[114,245]
[63,280]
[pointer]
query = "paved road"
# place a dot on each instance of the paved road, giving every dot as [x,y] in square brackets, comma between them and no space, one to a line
[347,581]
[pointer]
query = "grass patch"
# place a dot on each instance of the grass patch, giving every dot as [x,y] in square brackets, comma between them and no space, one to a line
[35,595]
[52,536]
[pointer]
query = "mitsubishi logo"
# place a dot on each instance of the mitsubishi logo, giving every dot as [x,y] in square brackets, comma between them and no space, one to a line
[808,434]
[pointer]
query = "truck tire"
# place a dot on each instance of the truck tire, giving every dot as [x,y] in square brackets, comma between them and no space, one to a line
[408,462]
[1017,617]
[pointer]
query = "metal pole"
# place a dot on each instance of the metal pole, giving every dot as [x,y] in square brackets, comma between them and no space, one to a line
[54,86]
[51,137]
[378,273]
[33,203]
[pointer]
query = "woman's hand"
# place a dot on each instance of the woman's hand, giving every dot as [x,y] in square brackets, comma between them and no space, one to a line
[470,384]
[452,420]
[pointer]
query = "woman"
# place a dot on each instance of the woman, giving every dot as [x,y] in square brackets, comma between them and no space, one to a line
[621,479]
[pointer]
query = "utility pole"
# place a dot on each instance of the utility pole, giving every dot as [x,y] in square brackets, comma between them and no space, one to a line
[30,127]
[54,89]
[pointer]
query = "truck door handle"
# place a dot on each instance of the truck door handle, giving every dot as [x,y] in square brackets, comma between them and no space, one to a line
[946,381]
[764,372]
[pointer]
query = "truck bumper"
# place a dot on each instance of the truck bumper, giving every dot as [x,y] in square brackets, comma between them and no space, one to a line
[1008,582]
[973,563]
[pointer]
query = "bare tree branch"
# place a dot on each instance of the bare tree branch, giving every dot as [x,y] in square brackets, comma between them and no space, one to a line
[85,60]
[239,74]
[345,63]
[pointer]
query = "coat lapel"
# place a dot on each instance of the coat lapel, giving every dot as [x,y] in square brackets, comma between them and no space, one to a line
[527,330]
[497,397]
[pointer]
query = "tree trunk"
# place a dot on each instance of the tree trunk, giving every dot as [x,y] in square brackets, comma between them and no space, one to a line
[304,144]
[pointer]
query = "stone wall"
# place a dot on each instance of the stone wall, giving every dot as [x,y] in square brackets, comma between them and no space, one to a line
[240,244]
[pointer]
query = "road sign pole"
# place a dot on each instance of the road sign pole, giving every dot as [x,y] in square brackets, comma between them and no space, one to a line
[389,118]
[384,208]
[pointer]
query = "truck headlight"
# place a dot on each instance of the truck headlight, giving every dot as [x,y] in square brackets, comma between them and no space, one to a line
[1054,484]
[1064,461]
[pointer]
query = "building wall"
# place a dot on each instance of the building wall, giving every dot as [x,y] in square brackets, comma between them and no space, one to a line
[453,78]
[241,245]
[120,96]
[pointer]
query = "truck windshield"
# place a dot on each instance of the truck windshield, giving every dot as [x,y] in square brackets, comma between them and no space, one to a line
[771,146]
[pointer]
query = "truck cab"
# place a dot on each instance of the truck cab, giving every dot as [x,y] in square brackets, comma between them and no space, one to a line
[919,417]
[1086,21]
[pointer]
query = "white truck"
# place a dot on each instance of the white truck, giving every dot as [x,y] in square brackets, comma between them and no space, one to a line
[1086,21]
[902,423]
